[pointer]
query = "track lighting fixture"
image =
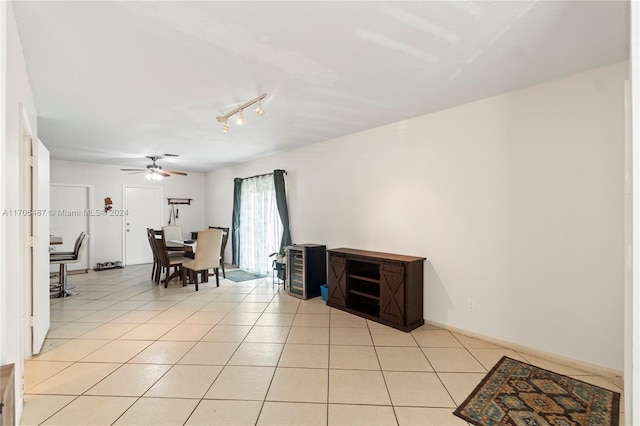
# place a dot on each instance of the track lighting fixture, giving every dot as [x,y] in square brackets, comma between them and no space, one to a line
[225,118]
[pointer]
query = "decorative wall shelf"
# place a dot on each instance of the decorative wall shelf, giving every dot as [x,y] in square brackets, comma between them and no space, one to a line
[186,201]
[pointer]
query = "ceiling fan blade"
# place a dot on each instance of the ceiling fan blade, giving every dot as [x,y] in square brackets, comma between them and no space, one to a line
[136,173]
[169,155]
[163,173]
[175,172]
[133,170]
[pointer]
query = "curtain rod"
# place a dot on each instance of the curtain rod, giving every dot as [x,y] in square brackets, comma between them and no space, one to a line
[264,174]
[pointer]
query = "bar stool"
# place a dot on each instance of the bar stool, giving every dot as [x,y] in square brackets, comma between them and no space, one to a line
[63,260]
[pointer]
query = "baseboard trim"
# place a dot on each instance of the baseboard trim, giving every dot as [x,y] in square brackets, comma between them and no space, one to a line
[615,376]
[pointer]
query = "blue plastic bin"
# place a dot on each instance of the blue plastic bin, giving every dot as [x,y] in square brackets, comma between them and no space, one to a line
[324,292]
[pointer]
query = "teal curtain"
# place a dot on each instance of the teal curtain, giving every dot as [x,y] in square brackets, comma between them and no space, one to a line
[235,222]
[281,202]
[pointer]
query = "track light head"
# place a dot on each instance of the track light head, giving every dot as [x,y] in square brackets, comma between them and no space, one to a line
[240,118]
[259,110]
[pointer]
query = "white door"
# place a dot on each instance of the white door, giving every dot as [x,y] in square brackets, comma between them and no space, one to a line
[40,307]
[70,215]
[144,210]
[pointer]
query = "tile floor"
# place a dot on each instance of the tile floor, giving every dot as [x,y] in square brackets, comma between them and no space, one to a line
[127,352]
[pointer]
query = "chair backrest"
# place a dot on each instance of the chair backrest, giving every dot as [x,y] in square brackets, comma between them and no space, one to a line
[225,238]
[151,236]
[76,246]
[172,232]
[208,249]
[83,246]
[161,248]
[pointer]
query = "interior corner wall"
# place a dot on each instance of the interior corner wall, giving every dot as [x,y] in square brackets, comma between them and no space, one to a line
[517,202]
[107,181]
[18,98]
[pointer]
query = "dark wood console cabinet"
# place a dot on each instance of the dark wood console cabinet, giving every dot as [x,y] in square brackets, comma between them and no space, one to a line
[382,287]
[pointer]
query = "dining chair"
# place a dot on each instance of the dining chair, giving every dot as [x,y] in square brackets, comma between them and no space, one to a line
[172,232]
[225,237]
[156,269]
[207,256]
[76,247]
[167,262]
[63,260]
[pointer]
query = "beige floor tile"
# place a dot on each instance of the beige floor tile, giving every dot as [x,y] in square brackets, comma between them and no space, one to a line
[38,408]
[147,332]
[350,336]
[157,305]
[205,317]
[240,318]
[402,359]
[435,338]
[299,385]
[490,357]
[414,416]
[347,321]
[117,351]
[72,350]
[185,381]
[311,320]
[50,344]
[127,305]
[169,317]
[220,306]
[453,360]
[268,334]
[283,320]
[187,332]
[225,413]
[231,297]
[417,389]
[158,411]
[251,307]
[227,333]
[210,353]
[75,379]
[261,298]
[353,358]
[68,315]
[364,415]
[91,410]
[309,335]
[97,305]
[470,342]
[460,385]
[129,380]
[72,330]
[109,331]
[104,316]
[388,336]
[357,387]
[137,317]
[36,372]
[163,353]
[258,354]
[241,382]
[314,306]
[306,356]
[293,413]
[282,308]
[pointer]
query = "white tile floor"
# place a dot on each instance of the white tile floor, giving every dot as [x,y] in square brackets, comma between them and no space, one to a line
[125,351]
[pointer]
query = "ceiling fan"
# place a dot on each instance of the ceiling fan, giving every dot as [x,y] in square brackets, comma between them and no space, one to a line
[155,171]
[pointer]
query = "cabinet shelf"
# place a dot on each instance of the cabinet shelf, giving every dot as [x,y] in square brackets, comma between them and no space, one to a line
[371,278]
[364,294]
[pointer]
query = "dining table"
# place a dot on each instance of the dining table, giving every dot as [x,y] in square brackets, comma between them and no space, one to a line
[179,245]
[55,241]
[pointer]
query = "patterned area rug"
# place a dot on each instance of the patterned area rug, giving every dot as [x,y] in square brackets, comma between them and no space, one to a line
[238,275]
[515,393]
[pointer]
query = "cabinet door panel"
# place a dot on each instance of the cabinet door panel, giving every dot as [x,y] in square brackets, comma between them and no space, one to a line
[337,280]
[392,292]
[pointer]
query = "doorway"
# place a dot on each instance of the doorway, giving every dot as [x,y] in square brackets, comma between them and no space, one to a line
[70,207]
[143,206]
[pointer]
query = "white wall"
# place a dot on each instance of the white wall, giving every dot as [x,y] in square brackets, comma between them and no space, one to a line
[108,181]
[18,98]
[516,201]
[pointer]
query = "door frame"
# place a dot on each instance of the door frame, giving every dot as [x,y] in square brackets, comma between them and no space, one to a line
[124,218]
[90,209]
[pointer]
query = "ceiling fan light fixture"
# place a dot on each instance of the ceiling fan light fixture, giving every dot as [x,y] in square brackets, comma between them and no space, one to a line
[240,119]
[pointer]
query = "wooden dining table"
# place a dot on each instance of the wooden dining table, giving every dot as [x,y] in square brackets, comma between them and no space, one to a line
[54,241]
[174,245]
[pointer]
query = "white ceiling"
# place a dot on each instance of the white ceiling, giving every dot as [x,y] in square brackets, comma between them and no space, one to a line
[115,81]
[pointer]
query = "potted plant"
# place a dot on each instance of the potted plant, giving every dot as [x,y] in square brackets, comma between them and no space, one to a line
[280,256]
